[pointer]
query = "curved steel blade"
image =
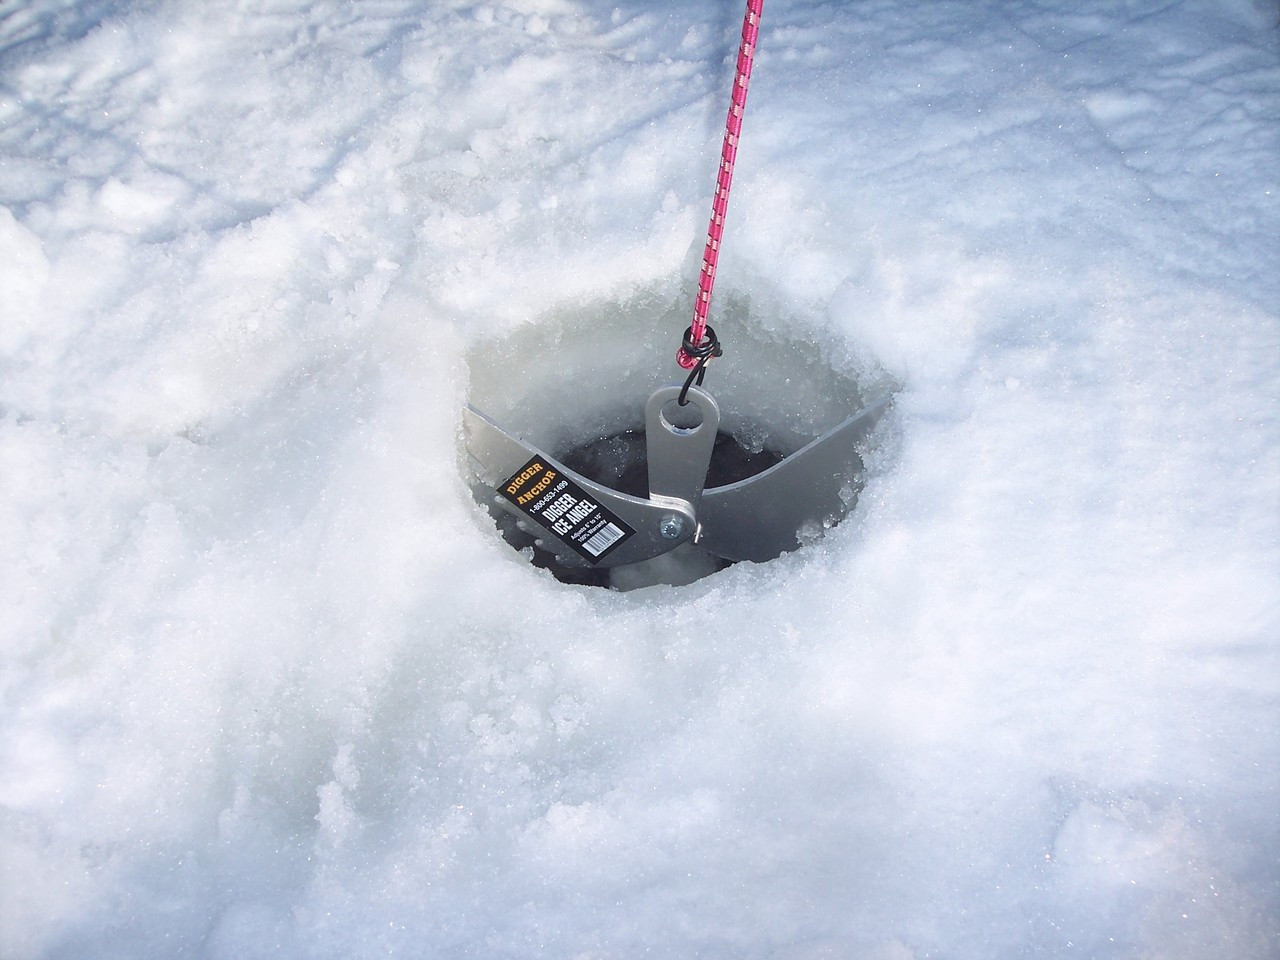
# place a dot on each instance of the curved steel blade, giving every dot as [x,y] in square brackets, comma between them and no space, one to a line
[660,524]
[758,518]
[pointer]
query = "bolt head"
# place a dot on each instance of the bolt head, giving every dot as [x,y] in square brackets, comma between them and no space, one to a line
[671,526]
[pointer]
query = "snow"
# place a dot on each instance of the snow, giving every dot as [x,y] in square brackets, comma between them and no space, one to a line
[272,686]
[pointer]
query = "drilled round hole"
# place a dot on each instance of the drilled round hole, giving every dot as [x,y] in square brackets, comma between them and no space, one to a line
[584,408]
[682,419]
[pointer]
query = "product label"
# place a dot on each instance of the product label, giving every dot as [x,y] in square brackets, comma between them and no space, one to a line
[555,501]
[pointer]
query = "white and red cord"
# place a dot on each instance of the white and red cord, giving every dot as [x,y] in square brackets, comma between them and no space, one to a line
[724,179]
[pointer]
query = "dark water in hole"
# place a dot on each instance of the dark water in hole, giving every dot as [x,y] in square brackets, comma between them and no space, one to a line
[618,461]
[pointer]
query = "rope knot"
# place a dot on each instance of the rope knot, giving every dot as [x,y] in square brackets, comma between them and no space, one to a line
[694,357]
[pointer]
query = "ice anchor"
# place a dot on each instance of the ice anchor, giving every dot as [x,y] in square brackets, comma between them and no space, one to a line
[582,521]
[756,517]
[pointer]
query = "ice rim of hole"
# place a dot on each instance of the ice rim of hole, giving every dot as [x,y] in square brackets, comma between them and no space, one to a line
[689,490]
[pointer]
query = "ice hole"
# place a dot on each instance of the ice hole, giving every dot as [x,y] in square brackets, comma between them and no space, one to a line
[574,384]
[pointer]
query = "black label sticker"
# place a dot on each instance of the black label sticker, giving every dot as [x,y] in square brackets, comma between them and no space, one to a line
[551,498]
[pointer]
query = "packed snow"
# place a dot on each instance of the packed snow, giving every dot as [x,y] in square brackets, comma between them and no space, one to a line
[271,685]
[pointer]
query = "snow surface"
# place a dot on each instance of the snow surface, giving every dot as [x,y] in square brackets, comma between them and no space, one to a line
[271,686]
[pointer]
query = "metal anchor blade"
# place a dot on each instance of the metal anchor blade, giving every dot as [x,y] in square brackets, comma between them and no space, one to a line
[758,518]
[640,528]
[584,522]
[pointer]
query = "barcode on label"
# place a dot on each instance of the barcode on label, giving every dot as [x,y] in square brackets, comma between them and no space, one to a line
[601,542]
[550,496]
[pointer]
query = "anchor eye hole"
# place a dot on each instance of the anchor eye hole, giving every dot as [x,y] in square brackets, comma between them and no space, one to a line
[679,420]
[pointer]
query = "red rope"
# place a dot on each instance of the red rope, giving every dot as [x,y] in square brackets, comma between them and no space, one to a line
[724,179]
